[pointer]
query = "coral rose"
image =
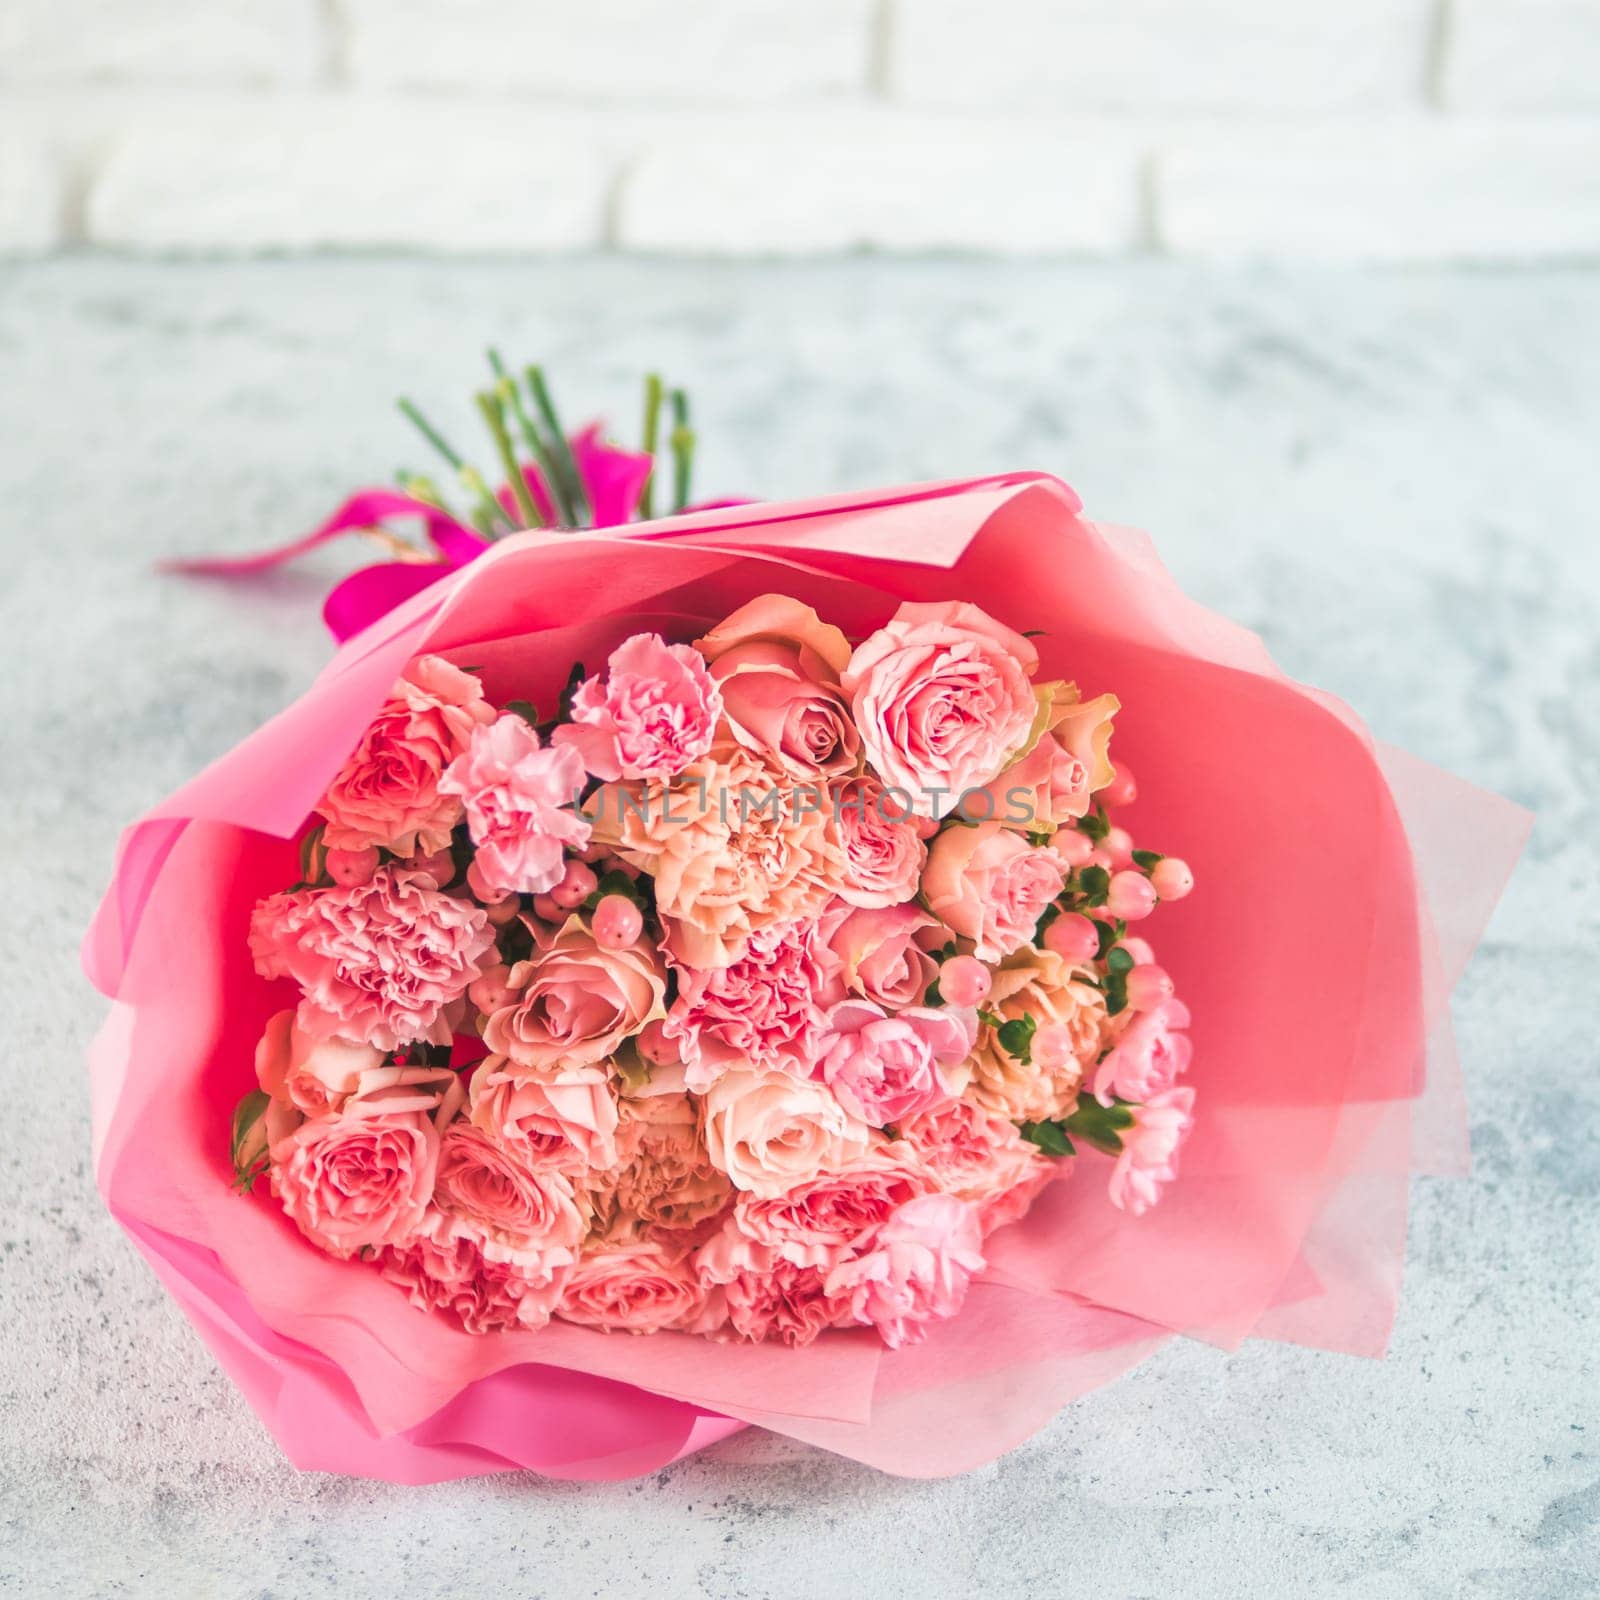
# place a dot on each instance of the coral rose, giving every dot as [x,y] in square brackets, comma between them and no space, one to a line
[987,883]
[565,1118]
[769,1131]
[516,1212]
[313,1075]
[637,1285]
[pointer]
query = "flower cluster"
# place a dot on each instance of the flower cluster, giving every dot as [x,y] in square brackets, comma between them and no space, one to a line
[746,995]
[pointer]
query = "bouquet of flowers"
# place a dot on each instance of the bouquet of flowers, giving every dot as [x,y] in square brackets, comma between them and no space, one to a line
[659,977]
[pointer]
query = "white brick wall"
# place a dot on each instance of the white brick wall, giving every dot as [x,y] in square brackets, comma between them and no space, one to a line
[1362,129]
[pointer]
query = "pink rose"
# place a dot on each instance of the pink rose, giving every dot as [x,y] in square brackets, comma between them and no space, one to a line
[942,700]
[762,1011]
[378,962]
[986,883]
[633,1286]
[1053,781]
[388,792]
[1147,1058]
[516,1212]
[313,1075]
[576,1001]
[759,1295]
[882,1068]
[878,955]
[977,1156]
[361,1178]
[563,1119]
[822,1221]
[884,853]
[778,664]
[1149,1155]
[769,1131]
[917,1271]
[518,800]
[653,713]
[444,1269]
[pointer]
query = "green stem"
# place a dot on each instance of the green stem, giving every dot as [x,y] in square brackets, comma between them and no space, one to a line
[494,415]
[486,512]
[560,449]
[682,446]
[652,440]
[511,395]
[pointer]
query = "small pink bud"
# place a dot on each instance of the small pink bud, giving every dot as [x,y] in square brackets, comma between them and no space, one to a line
[656,1047]
[1122,790]
[1075,939]
[352,868]
[1171,878]
[1130,896]
[503,911]
[577,884]
[1118,846]
[490,991]
[1139,949]
[964,981]
[1148,987]
[617,922]
[546,910]
[1073,847]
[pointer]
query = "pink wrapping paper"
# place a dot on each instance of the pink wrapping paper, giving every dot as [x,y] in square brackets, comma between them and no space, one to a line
[1342,887]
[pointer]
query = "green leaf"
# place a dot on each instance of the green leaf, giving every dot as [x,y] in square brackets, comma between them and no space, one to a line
[574,678]
[525,709]
[933,997]
[311,854]
[1096,825]
[1119,960]
[1051,1137]
[1146,859]
[248,1140]
[1107,936]
[1094,883]
[1016,1037]
[991,1019]
[1099,1125]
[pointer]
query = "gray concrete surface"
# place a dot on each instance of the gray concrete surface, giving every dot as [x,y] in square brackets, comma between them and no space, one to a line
[1392,475]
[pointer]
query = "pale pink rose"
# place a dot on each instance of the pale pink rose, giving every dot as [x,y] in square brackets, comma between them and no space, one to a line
[577,1001]
[378,962]
[977,1156]
[878,954]
[882,1068]
[762,1296]
[986,883]
[564,1118]
[778,664]
[1052,782]
[313,1075]
[444,1269]
[942,700]
[762,1011]
[637,1285]
[884,853]
[664,1181]
[515,1211]
[518,799]
[731,852]
[361,1177]
[822,1221]
[1149,1155]
[1148,1057]
[769,1131]
[388,792]
[917,1271]
[653,713]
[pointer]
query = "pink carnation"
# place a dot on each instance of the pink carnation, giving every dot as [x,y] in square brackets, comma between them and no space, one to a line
[942,700]
[653,713]
[883,851]
[378,962]
[882,1068]
[762,1296]
[764,1010]
[444,1269]
[388,791]
[977,1156]
[986,883]
[917,1271]
[1149,1155]
[518,800]
[1147,1058]
[636,1285]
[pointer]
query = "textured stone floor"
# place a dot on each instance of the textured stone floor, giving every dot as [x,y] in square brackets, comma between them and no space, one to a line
[1393,476]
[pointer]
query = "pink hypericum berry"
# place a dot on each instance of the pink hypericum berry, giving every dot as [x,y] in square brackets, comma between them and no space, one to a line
[1148,987]
[1121,791]
[654,1045]
[617,922]
[546,910]
[577,884]
[489,991]
[1118,846]
[440,866]
[1140,950]
[1073,847]
[1131,896]
[1099,857]
[352,868]
[503,911]
[1075,939]
[964,981]
[1171,878]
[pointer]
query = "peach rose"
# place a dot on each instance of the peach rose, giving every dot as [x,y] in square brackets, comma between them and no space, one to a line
[518,1213]
[777,664]
[1071,1028]
[388,791]
[942,700]
[564,1118]
[730,849]
[769,1131]
[361,1177]
[636,1285]
[884,853]
[576,1001]
[313,1075]
[1053,780]
[988,884]
[878,952]
[444,1269]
